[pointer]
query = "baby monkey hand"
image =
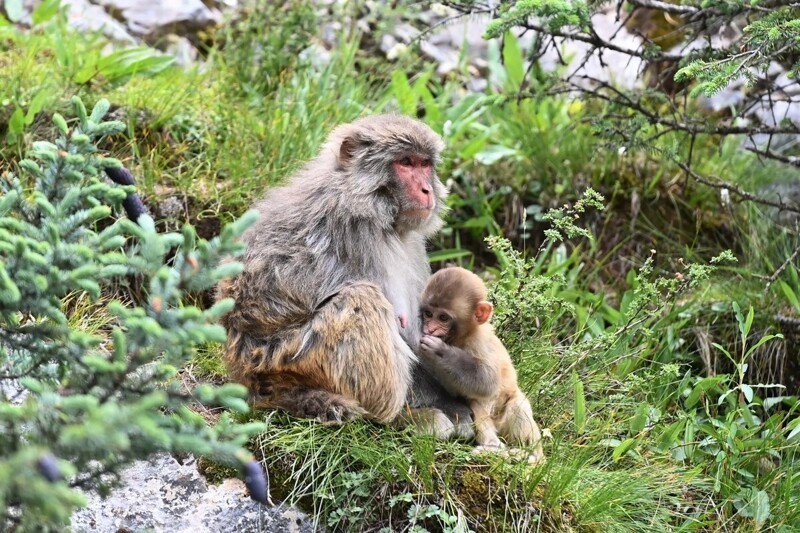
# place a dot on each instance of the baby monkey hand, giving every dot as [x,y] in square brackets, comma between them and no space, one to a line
[430,345]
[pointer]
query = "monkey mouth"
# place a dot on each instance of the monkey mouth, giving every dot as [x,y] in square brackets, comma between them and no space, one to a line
[418,212]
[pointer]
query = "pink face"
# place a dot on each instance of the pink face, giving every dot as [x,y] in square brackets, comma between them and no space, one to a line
[414,172]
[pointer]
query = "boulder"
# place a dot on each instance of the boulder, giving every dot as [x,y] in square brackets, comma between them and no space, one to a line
[162,495]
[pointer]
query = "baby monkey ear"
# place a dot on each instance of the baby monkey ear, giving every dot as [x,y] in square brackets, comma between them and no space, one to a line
[483,312]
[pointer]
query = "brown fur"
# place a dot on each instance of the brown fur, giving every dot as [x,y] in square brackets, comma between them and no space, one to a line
[463,352]
[334,265]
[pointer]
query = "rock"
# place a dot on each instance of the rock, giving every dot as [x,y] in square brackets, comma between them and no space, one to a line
[164,496]
[182,48]
[12,391]
[153,19]
[406,32]
[86,17]
[387,43]
[447,58]
[316,55]
[786,190]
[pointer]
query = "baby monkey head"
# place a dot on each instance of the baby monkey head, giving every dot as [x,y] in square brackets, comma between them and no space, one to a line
[454,305]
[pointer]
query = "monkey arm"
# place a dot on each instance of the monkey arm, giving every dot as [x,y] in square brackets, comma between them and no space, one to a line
[460,372]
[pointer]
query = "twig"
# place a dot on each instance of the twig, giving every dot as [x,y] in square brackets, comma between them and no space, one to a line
[664,6]
[769,154]
[744,195]
[598,42]
[775,275]
[655,118]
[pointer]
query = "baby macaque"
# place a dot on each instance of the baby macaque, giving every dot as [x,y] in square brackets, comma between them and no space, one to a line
[460,349]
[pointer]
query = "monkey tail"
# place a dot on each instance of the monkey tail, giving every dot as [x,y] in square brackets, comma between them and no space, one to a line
[133,205]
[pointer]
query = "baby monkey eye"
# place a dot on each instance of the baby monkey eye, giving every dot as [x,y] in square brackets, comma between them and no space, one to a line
[444,318]
[427,314]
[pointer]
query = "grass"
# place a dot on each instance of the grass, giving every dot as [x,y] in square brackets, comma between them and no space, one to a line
[609,339]
[365,477]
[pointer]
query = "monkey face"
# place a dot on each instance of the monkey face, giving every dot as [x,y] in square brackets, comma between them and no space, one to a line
[415,175]
[437,322]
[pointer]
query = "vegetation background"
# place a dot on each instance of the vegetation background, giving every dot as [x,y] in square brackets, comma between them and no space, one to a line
[641,251]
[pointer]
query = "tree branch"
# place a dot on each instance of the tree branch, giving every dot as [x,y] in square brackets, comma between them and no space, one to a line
[665,7]
[769,154]
[717,183]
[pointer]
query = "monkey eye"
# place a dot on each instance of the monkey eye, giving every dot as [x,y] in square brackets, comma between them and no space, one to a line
[426,162]
[427,313]
[444,318]
[406,161]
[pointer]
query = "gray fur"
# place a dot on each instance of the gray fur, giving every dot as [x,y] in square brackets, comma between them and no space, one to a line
[336,223]
[461,373]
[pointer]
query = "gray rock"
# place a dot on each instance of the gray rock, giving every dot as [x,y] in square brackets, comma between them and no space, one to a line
[162,495]
[446,57]
[406,32]
[316,55]
[182,48]
[786,190]
[153,19]
[87,17]
[12,391]
[387,43]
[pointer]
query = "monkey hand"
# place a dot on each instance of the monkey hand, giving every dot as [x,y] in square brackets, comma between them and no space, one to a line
[430,345]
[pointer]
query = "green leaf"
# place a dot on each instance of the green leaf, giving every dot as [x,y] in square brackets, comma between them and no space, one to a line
[752,503]
[794,427]
[60,123]
[747,390]
[100,110]
[701,387]
[35,106]
[16,124]
[513,61]
[790,294]
[448,255]
[623,448]
[80,109]
[45,11]
[748,323]
[639,420]
[762,340]
[9,292]
[580,403]
[670,435]
[406,99]
[492,154]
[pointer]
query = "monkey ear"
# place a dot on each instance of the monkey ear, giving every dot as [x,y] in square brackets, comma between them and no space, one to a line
[347,150]
[354,140]
[483,312]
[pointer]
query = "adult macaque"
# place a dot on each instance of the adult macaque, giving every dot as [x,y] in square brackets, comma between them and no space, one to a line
[460,349]
[325,323]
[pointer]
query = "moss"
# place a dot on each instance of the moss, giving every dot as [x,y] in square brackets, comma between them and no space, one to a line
[215,473]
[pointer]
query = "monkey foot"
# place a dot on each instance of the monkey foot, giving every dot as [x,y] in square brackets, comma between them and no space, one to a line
[490,448]
[533,458]
[322,406]
[337,413]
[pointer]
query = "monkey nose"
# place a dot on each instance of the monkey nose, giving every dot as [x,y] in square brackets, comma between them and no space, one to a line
[425,190]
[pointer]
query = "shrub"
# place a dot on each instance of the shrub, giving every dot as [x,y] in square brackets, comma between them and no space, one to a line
[83,394]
